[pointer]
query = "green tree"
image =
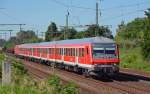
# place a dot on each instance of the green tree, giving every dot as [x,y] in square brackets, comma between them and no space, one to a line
[51,32]
[81,34]
[102,31]
[146,38]
[28,36]
[130,34]
[69,34]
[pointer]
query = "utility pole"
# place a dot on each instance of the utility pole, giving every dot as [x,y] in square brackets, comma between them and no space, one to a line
[97,25]
[66,29]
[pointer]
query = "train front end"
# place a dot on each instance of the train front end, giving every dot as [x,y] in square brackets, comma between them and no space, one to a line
[105,58]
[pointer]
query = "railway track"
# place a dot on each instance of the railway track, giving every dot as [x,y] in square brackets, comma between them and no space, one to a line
[95,85]
[120,84]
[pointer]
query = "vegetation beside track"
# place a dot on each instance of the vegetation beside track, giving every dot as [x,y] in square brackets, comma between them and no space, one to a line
[22,83]
[134,41]
[132,58]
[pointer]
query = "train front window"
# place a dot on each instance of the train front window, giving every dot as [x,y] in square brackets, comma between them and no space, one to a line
[109,50]
[98,52]
[104,52]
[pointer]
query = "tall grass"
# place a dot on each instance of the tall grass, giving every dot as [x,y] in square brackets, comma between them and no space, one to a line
[132,58]
[22,83]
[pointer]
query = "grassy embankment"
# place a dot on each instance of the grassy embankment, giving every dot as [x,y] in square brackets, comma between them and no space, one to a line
[22,83]
[132,58]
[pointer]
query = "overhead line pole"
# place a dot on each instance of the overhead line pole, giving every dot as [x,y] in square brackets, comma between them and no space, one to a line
[66,29]
[96,31]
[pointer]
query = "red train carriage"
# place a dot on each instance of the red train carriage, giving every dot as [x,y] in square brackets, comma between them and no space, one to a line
[90,55]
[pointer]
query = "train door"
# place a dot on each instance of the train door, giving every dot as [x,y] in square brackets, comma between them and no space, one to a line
[76,56]
[86,55]
[62,54]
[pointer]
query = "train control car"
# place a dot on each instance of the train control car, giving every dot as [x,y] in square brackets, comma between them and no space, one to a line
[96,55]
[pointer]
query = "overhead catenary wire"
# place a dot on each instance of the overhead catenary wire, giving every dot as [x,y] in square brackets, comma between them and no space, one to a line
[111,8]
[10,16]
[125,14]
[102,9]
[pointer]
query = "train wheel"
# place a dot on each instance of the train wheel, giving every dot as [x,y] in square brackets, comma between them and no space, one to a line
[86,73]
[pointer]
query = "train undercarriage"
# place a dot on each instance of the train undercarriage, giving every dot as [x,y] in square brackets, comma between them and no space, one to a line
[97,70]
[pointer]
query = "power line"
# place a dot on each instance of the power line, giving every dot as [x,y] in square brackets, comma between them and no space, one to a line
[125,6]
[20,25]
[87,8]
[11,17]
[115,17]
[73,6]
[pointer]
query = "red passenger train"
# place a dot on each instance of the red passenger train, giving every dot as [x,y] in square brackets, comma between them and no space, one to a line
[96,55]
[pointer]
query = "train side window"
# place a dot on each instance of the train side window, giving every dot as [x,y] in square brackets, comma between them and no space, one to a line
[82,52]
[61,51]
[40,50]
[70,51]
[87,51]
[46,50]
[49,50]
[73,52]
[56,51]
[79,52]
[65,52]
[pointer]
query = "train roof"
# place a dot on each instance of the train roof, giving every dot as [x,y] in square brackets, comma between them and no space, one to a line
[73,41]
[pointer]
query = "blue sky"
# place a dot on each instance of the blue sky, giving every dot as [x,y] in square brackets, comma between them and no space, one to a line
[37,14]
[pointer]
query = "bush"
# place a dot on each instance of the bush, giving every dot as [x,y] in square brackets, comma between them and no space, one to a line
[132,58]
[19,67]
[58,88]
[70,89]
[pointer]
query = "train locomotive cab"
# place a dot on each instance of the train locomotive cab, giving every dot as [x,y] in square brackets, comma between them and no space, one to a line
[105,58]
